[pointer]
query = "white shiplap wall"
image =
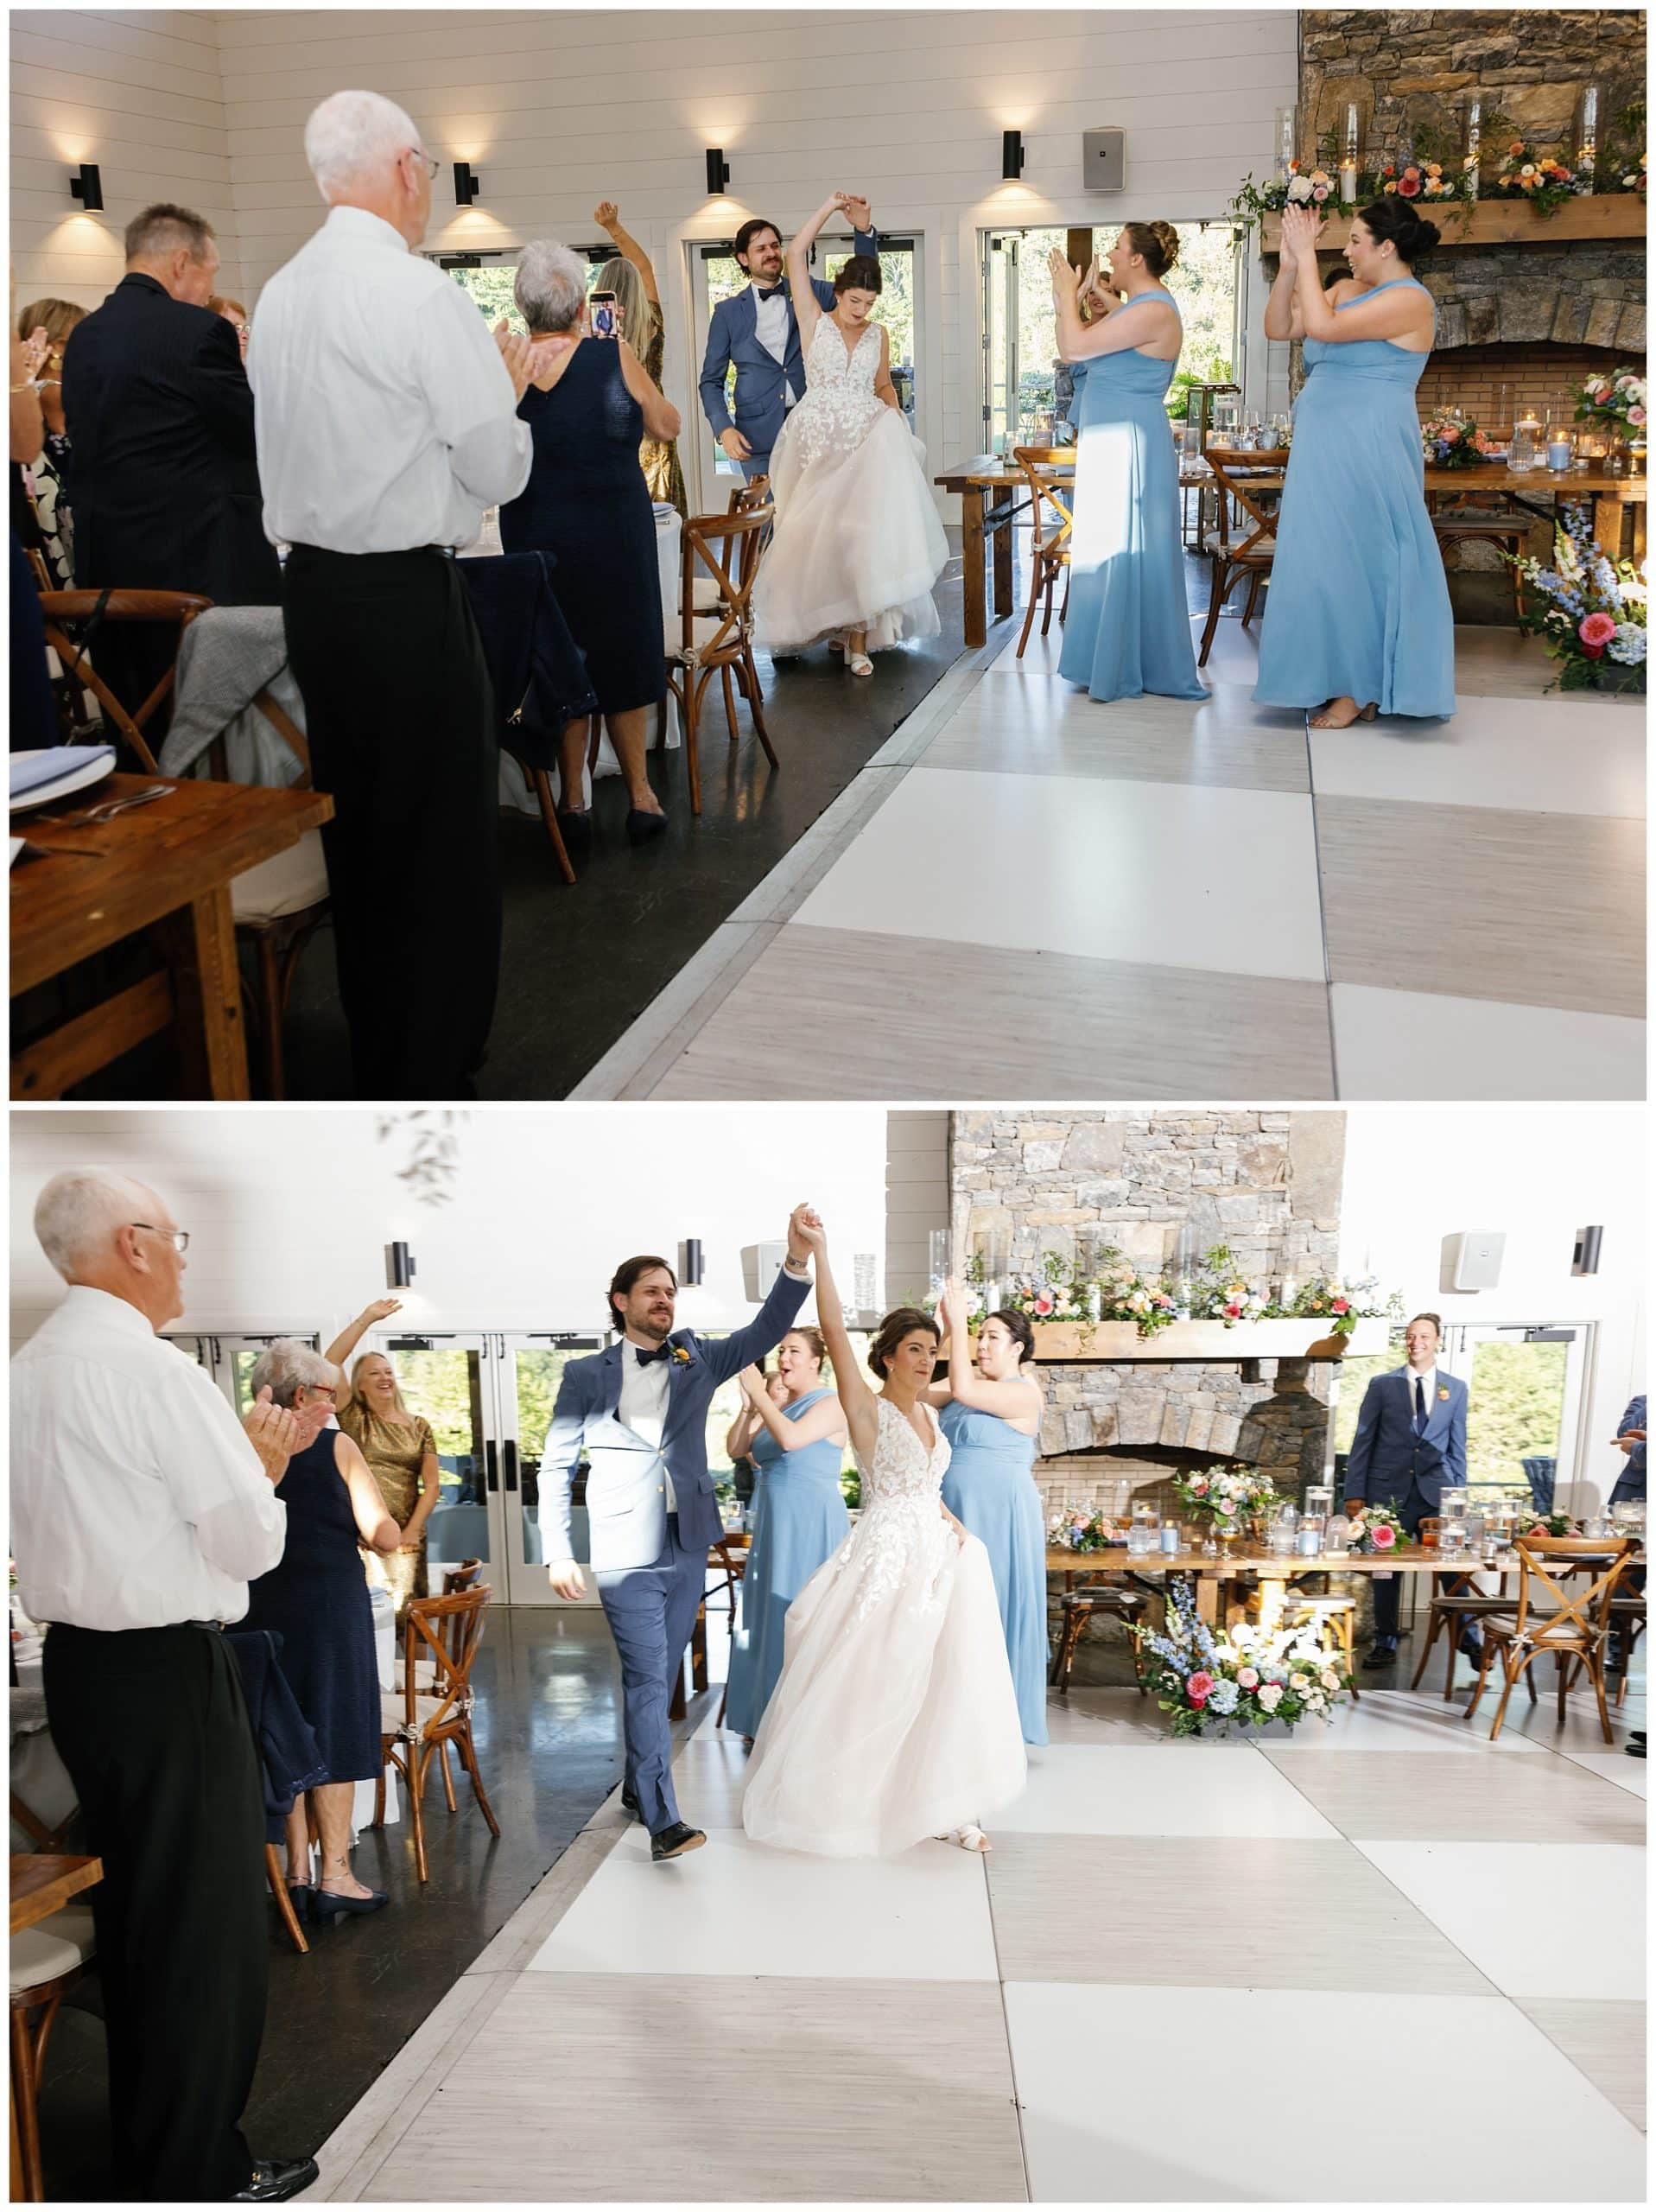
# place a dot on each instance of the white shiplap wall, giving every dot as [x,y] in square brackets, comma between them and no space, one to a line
[558,109]
[138,92]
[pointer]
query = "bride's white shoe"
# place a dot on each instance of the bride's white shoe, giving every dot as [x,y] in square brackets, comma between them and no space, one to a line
[859,663]
[970,1838]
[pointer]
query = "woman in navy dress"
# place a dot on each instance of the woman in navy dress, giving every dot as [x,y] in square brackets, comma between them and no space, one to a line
[317,1601]
[1127,630]
[991,1414]
[800,1516]
[1357,617]
[587,504]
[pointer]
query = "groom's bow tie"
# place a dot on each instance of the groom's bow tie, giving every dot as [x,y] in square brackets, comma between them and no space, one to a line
[769,291]
[662,1352]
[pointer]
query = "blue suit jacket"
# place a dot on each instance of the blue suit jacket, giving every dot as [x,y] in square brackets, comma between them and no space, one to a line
[761,405]
[1630,1483]
[626,1494]
[1386,1454]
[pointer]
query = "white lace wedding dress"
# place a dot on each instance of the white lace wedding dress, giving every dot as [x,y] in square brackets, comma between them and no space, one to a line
[857,544]
[895,1718]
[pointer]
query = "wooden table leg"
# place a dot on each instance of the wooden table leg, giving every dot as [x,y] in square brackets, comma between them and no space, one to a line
[207,984]
[973,502]
[17,2149]
[1002,568]
[1607,512]
[1207,1597]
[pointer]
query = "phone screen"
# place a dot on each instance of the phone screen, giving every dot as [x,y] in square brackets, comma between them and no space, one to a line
[604,321]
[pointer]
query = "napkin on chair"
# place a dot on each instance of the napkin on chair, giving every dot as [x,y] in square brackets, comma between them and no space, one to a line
[32,772]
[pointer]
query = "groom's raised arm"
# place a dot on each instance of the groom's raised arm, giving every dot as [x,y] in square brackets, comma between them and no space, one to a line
[559,1458]
[715,368]
[764,1332]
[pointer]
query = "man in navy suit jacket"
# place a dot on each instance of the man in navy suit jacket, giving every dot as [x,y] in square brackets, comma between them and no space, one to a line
[1409,1447]
[758,330]
[640,1412]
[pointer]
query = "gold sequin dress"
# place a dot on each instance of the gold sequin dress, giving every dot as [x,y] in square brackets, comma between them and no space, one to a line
[395,1451]
[659,456]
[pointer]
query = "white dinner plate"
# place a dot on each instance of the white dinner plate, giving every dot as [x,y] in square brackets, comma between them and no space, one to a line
[73,779]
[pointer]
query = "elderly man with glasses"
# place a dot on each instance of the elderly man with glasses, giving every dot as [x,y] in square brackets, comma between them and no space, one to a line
[140,1509]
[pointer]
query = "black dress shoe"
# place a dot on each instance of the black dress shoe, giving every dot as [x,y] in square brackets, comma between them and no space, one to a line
[674,1842]
[1636,1744]
[575,827]
[642,827]
[277,2179]
[1382,1655]
[328,1905]
[1472,1646]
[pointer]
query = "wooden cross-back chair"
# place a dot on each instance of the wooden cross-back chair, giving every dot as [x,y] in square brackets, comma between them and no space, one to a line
[718,638]
[417,1726]
[1051,502]
[1249,480]
[1550,1622]
[64,612]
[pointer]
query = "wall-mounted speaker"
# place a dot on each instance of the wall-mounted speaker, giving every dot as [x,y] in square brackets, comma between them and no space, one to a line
[1104,160]
[1472,1260]
[761,1264]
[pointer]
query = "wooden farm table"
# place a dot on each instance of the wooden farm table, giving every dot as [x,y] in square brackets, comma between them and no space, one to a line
[172,860]
[1272,1571]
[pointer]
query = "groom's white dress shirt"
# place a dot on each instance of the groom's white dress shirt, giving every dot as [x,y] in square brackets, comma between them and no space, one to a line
[642,1404]
[136,1500]
[770,328]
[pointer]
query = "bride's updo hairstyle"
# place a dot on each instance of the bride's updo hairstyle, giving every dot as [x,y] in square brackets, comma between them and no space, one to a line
[1395,219]
[892,1330]
[860,274]
[1158,242]
[1018,1327]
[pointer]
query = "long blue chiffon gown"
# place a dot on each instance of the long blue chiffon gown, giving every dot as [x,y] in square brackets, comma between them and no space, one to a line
[990,1486]
[1358,603]
[1127,631]
[800,1520]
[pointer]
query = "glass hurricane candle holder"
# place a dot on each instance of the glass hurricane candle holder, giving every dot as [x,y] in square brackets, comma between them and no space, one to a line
[1285,138]
[1589,129]
[1472,118]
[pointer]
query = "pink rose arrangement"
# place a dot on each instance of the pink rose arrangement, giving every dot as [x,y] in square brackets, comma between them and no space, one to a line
[1375,1529]
[1207,1678]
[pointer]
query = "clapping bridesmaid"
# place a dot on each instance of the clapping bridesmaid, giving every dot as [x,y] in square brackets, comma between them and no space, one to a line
[1357,617]
[800,1517]
[991,1414]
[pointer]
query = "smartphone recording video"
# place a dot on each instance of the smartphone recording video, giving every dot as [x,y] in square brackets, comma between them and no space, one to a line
[605,321]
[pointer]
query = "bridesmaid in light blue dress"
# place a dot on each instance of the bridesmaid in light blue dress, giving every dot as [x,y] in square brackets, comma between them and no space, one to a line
[800,1518]
[991,1414]
[1357,617]
[1127,630]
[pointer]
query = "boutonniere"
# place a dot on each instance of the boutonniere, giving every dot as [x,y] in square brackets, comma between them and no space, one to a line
[682,1358]
[1443,1394]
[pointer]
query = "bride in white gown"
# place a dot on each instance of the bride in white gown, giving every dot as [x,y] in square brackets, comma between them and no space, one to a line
[858,545]
[895,1718]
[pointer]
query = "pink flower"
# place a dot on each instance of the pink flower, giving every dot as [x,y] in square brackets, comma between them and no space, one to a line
[1409,185]
[1343,1305]
[1200,1687]
[1635,414]
[1198,1486]
[1043,1302]
[1319,192]
[1596,630]
[1385,1537]
[1248,1678]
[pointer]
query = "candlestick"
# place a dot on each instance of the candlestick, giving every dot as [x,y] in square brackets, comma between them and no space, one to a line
[1349,184]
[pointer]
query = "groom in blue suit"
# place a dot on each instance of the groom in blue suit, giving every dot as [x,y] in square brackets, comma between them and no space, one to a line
[640,1412]
[758,329]
[1410,1446]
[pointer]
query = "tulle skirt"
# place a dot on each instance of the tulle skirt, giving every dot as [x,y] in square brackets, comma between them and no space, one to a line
[895,1719]
[857,544]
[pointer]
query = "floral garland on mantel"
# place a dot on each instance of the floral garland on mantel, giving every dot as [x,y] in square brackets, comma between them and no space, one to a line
[1061,1290]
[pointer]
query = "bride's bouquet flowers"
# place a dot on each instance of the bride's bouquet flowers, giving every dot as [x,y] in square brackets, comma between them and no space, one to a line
[1452,442]
[1225,1496]
[1375,1530]
[1592,611]
[1527,174]
[1242,1677]
[1069,1531]
[1618,398]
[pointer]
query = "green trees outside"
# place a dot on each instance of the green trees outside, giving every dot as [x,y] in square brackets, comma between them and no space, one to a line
[1515,1409]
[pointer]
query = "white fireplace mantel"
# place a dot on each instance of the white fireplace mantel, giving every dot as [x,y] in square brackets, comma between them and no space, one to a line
[1118,1343]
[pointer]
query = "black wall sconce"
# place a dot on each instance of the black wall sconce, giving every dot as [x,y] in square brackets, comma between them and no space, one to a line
[689,1262]
[1011,154]
[718,170]
[88,187]
[1588,1244]
[467,184]
[399,1267]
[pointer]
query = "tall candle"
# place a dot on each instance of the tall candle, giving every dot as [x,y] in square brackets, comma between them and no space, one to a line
[1349,184]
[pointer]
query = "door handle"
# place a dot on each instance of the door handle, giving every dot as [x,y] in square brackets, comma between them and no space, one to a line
[509,1450]
[491,1472]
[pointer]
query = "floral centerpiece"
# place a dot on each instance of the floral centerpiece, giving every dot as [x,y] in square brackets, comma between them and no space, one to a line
[1242,1677]
[1453,441]
[1342,1305]
[1550,1524]
[1592,611]
[1069,1531]
[1375,1529]
[1225,1496]
[1542,179]
[1618,399]
[1117,1290]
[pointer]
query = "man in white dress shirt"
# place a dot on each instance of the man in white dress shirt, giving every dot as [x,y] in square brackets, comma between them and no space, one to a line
[140,1510]
[386,424]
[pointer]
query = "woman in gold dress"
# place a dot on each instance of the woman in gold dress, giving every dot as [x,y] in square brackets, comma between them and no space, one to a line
[631,277]
[398,1446]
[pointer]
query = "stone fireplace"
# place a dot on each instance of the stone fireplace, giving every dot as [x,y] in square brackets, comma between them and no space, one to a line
[1265,1184]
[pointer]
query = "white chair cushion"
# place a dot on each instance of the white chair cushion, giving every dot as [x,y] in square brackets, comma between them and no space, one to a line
[425,1673]
[52,1947]
[393,1712]
[285,884]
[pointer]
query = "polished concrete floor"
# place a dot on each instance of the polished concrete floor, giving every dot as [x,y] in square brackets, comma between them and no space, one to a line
[1137,1997]
[547,1733]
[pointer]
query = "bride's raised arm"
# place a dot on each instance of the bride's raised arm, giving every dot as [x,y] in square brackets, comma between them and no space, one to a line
[862,1409]
[807,306]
